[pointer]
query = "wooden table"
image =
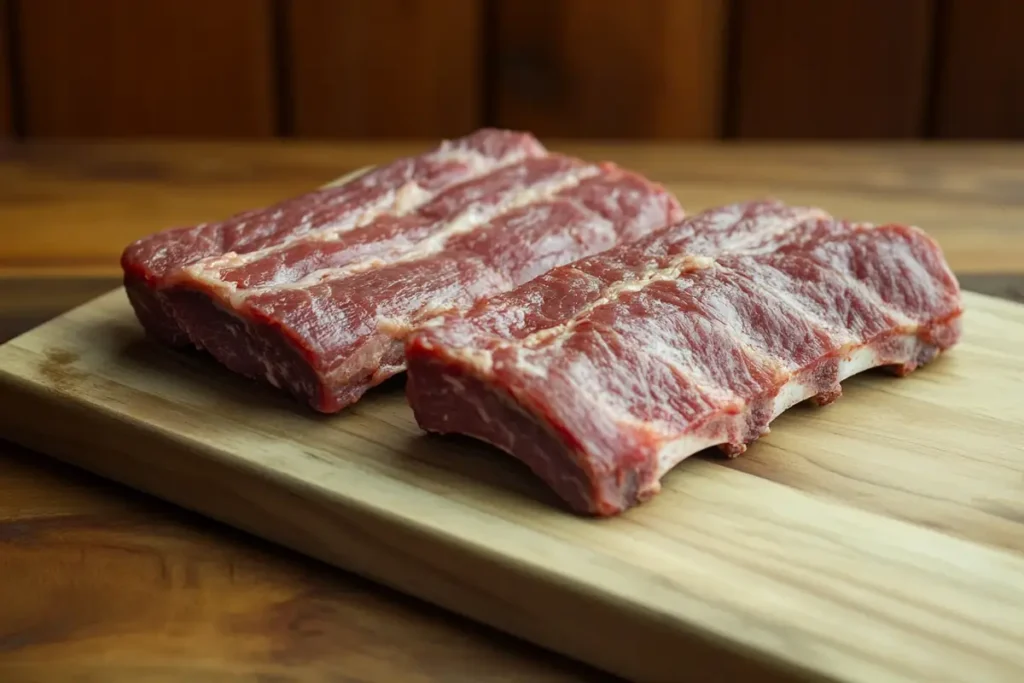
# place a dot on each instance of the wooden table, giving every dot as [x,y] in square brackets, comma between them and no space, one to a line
[98,582]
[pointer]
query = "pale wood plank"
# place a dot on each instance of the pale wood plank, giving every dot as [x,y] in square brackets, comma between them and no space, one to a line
[852,586]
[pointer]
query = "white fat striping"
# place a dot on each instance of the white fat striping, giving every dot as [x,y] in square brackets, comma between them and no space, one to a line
[562,331]
[793,390]
[676,358]
[398,202]
[480,360]
[471,219]
[779,297]
[208,270]
[680,360]
[901,318]
[523,364]
[777,226]
[790,394]
[676,267]
[859,286]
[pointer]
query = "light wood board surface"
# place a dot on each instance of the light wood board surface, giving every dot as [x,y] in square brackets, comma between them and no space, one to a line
[880,538]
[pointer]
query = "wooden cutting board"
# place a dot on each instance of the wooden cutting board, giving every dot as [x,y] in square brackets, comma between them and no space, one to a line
[877,539]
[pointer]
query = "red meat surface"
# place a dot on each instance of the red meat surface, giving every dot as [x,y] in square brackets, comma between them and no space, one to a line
[393,189]
[316,295]
[603,374]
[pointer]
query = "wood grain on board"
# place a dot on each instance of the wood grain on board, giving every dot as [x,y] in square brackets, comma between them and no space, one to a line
[99,582]
[71,208]
[155,68]
[592,68]
[219,605]
[866,576]
[389,68]
[837,69]
[980,87]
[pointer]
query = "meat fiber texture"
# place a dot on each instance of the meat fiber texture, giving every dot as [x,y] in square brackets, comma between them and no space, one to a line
[316,295]
[604,374]
[151,263]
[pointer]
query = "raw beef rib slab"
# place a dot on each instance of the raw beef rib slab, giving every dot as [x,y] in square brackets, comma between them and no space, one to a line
[604,374]
[317,295]
[395,189]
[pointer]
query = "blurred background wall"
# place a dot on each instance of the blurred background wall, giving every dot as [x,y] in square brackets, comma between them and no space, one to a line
[632,69]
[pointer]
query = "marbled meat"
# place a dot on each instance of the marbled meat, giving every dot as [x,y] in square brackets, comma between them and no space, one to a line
[317,295]
[604,374]
[394,189]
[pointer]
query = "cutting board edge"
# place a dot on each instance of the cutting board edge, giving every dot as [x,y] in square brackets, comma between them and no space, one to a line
[655,629]
[664,638]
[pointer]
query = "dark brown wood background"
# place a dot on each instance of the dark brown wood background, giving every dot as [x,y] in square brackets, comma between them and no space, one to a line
[690,69]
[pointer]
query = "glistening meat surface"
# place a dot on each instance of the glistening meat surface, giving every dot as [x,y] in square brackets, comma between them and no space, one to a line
[604,374]
[324,313]
[394,189]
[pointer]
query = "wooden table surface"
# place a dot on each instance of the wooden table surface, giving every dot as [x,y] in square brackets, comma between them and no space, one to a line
[100,583]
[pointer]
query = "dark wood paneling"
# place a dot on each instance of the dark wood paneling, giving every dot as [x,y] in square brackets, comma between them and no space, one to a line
[841,68]
[608,68]
[386,68]
[159,67]
[6,101]
[980,88]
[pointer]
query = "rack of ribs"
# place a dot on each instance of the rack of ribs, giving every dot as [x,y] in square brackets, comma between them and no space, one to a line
[316,295]
[603,374]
